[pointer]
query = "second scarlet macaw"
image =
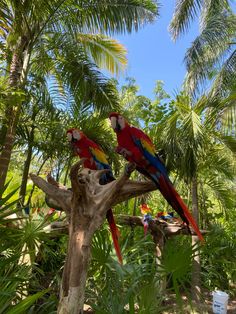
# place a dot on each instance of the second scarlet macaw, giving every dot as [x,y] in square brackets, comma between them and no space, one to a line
[95,159]
[147,217]
[138,148]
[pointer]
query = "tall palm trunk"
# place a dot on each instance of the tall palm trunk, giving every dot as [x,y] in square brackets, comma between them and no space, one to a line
[12,116]
[17,77]
[26,167]
[196,268]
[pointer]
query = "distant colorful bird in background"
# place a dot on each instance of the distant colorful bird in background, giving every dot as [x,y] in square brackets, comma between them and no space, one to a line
[95,159]
[138,148]
[165,216]
[147,217]
[145,209]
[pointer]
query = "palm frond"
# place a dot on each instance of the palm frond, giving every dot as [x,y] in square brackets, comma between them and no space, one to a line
[230,142]
[191,124]
[224,194]
[184,14]
[209,49]
[13,278]
[117,16]
[169,140]
[212,8]
[225,80]
[228,118]
[61,96]
[25,304]
[221,113]
[213,41]
[218,162]
[87,84]
[106,52]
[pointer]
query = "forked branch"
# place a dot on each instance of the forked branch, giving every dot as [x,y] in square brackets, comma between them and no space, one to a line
[112,190]
[77,185]
[85,184]
[60,195]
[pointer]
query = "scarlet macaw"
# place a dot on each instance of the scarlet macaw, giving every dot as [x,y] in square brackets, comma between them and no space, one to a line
[147,217]
[165,216]
[95,160]
[138,148]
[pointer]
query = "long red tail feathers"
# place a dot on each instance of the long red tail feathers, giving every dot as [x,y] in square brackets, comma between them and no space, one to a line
[184,207]
[190,217]
[145,229]
[115,234]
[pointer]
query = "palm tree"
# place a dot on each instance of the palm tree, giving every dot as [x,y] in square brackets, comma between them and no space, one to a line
[191,138]
[25,25]
[212,54]
[40,131]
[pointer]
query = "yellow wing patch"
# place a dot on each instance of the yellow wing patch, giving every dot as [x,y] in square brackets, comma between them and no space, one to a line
[99,155]
[148,146]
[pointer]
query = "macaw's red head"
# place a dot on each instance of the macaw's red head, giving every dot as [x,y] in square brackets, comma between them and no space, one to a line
[74,135]
[145,209]
[118,122]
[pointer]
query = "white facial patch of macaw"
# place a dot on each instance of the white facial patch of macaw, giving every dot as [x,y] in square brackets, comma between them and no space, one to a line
[113,122]
[69,136]
[76,135]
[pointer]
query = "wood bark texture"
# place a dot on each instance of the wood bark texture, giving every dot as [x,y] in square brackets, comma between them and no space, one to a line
[86,205]
[196,268]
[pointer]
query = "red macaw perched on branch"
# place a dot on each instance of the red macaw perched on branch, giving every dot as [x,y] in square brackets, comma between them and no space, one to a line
[95,160]
[138,148]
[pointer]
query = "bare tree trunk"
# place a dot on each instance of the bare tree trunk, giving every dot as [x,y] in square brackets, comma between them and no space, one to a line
[159,240]
[26,167]
[76,267]
[196,268]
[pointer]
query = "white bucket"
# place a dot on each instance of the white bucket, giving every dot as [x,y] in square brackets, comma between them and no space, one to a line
[220,302]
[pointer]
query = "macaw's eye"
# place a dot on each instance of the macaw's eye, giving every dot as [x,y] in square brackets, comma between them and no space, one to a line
[69,136]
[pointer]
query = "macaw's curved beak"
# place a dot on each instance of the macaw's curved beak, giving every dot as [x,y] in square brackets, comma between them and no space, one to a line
[73,140]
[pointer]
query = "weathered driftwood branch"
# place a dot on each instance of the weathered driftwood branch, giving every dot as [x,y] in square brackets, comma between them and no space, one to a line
[167,229]
[156,226]
[52,181]
[60,195]
[86,206]
[131,189]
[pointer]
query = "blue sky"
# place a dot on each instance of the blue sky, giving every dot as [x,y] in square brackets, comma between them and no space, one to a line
[152,55]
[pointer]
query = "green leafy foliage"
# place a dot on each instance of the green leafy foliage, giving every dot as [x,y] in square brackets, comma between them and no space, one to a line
[15,272]
[26,303]
[212,54]
[218,259]
[64,89]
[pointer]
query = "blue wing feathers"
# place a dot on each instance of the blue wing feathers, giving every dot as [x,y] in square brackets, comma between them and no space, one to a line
[154,160]
[106,177]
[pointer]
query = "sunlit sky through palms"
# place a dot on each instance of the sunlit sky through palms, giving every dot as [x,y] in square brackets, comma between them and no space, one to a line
[152,54]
